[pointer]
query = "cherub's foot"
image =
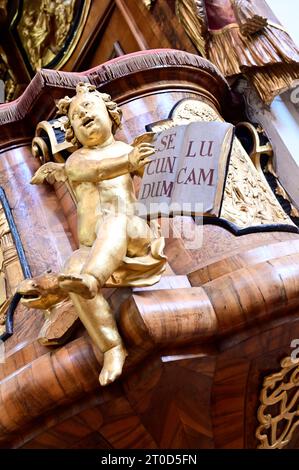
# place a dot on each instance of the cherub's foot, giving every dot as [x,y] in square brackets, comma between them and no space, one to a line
[113,364]
[82,284]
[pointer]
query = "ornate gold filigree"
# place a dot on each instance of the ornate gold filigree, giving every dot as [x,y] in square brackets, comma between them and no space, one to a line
[45,26]
[259,150]
[248,200]
[278,413]
[194,110]
[10,268]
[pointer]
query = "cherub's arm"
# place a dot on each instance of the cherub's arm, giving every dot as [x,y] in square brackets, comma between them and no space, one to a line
[94,171]
[147,138]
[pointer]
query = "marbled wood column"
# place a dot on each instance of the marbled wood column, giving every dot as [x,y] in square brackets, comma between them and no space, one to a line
[42,227]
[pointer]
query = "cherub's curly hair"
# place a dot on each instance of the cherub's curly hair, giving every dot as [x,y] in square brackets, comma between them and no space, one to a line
[63,106]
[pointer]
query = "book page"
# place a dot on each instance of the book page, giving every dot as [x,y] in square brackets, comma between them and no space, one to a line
[159,177]
[187,173]
[202,166]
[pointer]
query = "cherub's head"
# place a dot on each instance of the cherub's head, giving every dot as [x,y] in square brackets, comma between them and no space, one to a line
[92,116]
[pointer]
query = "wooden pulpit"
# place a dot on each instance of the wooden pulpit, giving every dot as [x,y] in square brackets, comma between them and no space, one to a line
[211,347]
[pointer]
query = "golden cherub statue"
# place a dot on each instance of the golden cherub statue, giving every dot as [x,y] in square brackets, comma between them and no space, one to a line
[117,247]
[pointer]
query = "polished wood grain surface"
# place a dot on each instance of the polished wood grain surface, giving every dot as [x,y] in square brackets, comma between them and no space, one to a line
[200,343]
[41,224]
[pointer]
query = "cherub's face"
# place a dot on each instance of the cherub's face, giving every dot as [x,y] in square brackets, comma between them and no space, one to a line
[90,119]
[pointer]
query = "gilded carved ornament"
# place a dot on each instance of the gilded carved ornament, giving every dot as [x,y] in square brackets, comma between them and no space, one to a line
[44,293]
[44,29]
[248,200]
[101,170]
[10,269]
[260,150]
[278,413]
[7,76]
[239,37]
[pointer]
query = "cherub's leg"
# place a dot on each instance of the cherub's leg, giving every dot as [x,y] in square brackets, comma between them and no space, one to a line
[96,314]
[97,317]
[105,256]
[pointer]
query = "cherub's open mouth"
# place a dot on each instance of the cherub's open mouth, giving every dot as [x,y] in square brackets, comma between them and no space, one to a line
[87,121]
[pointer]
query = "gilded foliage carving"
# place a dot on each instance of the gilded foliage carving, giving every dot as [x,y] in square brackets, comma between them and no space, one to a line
[278,413]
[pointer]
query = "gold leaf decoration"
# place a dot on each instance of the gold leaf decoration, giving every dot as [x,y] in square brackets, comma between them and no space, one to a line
[278,413]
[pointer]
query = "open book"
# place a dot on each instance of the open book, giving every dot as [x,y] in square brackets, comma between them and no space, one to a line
[187,173]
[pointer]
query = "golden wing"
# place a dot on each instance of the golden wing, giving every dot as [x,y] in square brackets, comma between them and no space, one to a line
[50,172]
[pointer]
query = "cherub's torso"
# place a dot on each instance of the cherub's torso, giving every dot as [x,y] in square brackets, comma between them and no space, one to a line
[95,200]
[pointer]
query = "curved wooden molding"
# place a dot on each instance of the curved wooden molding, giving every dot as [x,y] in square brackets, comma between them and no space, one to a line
[152,320]
[150,71]
[53,379]
[247,297]
[243,259]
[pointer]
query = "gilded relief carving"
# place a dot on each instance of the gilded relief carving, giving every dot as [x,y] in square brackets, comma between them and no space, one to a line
[45,26]
[10,268]
[248,200]
[278,413]
[7,76]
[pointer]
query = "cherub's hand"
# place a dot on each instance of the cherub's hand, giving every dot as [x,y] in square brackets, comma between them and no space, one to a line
[140,156]
[50,172]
